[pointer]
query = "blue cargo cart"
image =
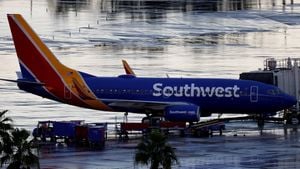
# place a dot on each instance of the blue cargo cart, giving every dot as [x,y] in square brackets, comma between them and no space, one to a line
[93,134]
[65,130]
[54,130]
[96,136]
[44,131]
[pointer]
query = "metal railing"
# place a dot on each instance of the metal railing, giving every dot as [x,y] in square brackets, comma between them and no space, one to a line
[288,63]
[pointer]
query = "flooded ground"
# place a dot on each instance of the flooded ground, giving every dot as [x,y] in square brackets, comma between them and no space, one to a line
[194,38]
[272,148]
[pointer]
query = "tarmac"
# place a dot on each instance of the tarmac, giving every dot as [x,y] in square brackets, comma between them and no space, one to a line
[242,145]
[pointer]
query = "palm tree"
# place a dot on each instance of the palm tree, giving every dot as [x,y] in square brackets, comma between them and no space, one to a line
[5,129]
[155,150]
[22,155]
[14,147]
[5,124]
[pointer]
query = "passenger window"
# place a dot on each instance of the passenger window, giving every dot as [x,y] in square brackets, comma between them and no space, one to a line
[242,93]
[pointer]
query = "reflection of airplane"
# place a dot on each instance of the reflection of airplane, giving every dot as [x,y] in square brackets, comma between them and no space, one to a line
[177,99]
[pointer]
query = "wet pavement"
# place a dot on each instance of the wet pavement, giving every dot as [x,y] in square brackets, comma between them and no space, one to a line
[274,147]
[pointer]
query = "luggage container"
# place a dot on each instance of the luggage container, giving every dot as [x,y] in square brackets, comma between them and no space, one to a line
[65,130]
[81,134]
[96,136]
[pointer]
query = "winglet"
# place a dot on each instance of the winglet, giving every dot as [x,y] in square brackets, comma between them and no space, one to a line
[127,68]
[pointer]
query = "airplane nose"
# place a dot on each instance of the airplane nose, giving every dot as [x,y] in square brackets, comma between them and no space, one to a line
[289,100]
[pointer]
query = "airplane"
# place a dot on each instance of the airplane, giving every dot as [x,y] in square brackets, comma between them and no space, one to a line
[175,99]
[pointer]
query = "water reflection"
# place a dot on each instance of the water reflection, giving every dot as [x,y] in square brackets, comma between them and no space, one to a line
[65,6]
[158,9]
[155,9]
[177,5]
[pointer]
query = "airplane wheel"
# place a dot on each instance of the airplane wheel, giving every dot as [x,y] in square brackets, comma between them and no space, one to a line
[146,120]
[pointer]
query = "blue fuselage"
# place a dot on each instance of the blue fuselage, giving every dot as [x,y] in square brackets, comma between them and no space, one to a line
[211,95]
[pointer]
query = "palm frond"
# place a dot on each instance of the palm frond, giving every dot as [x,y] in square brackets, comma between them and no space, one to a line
[18,149]
[4,159]
[154,150]
[2,113]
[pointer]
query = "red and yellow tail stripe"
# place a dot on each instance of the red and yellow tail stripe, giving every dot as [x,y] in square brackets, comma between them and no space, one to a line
[64,83]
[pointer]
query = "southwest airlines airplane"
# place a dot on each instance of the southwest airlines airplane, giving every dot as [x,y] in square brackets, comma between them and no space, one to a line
[176,99]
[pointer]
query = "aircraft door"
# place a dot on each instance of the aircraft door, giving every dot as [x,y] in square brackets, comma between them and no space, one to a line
[254,94]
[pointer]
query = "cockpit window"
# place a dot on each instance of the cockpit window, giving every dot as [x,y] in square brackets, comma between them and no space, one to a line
[271,92]
[275,91]
[279,91]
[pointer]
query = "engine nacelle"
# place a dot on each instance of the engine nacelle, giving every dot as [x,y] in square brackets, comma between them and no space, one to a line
[182,113]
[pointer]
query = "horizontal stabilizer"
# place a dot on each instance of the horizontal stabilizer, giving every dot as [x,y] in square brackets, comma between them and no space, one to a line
[23,81]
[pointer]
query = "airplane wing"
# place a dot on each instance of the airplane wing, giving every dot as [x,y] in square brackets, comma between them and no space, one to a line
[140,104]
[127,68]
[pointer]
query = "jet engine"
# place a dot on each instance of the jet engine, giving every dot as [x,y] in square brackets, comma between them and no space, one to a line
[182,113]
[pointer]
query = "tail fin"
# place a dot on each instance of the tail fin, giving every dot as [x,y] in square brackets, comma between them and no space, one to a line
[37,62]
[127,68]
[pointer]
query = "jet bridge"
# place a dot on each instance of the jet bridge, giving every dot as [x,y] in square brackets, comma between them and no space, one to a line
[283,73]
